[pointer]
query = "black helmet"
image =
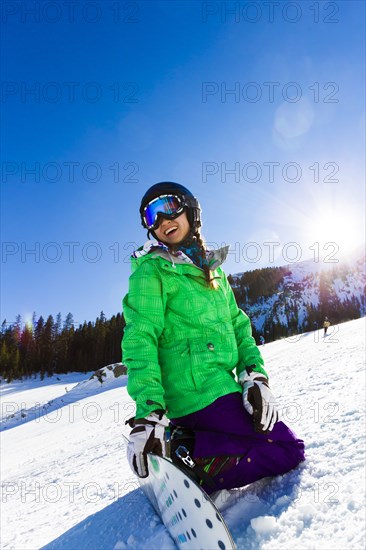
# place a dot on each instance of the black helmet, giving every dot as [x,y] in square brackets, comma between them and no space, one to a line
[190,202]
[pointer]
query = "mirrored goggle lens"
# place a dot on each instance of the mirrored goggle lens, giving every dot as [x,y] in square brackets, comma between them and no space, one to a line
[169,205]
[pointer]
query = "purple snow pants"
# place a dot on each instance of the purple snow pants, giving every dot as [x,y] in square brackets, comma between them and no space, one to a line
[226,428]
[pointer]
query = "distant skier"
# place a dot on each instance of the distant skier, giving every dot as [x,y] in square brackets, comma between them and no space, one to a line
[326,325]
[262,340]
[184,337]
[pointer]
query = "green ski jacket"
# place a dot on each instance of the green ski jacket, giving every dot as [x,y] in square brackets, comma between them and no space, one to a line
[183,342]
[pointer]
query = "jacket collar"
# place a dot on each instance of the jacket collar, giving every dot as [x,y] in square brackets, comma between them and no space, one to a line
[157,248]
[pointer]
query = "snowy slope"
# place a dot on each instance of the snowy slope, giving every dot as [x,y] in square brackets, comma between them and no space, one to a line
[32,404]
[31,391]
[66,482]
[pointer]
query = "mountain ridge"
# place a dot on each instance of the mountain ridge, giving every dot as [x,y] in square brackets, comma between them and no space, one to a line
[294,298]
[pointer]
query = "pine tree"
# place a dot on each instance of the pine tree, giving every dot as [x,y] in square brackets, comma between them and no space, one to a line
[58,325]
[26,351]
[17,328]
[69,321]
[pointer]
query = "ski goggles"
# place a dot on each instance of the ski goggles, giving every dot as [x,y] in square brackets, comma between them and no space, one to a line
[170,206]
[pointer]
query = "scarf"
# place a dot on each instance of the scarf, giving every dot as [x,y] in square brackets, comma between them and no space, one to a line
[193,251]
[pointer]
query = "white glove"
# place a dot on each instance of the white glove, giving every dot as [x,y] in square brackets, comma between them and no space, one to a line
[147,436]
[258,400]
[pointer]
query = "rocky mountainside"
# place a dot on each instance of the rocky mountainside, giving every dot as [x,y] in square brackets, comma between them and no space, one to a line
[281,301]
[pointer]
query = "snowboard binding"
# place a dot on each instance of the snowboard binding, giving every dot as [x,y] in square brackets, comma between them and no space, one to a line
[181,451]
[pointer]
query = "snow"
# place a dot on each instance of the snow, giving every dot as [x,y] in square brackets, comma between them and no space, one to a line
[31,391]
[14,412]
[264,525]
[299,290]
[66,482]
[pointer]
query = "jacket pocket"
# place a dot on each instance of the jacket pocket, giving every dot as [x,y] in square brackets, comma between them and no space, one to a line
[204,360]
[212,359]
[174,359]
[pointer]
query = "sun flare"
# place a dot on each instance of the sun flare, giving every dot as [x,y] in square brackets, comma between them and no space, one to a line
[344,230]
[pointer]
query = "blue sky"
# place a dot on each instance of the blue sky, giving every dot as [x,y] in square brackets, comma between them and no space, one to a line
[259,112]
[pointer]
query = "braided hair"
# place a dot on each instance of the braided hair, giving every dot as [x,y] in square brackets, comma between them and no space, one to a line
[211,281]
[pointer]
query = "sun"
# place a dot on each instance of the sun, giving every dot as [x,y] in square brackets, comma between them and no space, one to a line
[28,320]
[343,230]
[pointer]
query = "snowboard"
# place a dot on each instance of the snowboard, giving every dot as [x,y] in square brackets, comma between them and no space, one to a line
[188,513]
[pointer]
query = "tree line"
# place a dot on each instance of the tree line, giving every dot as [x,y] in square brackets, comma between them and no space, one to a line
[53,346]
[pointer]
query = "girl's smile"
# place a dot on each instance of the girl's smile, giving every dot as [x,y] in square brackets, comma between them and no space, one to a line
[173,231]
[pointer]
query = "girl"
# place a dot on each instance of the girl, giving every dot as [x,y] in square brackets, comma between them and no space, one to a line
[191,357]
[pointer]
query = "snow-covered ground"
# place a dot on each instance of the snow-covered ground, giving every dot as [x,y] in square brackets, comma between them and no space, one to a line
[66,483]
[28,393]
